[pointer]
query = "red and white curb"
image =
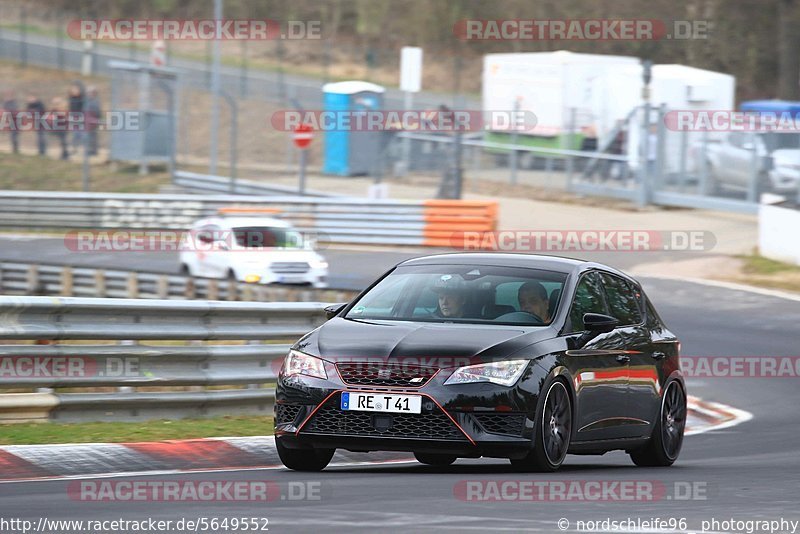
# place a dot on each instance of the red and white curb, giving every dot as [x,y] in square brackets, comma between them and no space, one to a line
[705,416]
[27,462]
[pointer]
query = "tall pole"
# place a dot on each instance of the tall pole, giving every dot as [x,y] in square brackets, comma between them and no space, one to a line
[212,162]
[302,185]
[514,155]
[643,197]
[408,103]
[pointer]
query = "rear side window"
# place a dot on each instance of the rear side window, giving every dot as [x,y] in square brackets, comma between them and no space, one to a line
[588,299]
[624,299]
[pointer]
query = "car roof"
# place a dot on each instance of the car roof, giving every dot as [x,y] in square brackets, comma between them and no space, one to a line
[505,259]
[239,221]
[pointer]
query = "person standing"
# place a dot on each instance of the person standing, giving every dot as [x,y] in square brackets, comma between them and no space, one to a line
[58,116]
[613,168]
[36,108]
[10,106]
[92,118]
[76,104]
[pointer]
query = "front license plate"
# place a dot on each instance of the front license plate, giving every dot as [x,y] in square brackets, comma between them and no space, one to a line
[291,279]
[381,402]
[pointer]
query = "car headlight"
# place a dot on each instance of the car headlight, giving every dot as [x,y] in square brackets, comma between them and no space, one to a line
[299,363]
[318,264]
[504,373]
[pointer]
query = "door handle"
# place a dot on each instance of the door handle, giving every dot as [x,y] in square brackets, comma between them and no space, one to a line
[623,358]
[659,355]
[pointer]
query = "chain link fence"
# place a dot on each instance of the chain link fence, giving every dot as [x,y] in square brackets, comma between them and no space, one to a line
[636,159]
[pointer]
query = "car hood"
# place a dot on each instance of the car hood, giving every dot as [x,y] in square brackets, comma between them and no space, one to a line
[433,344]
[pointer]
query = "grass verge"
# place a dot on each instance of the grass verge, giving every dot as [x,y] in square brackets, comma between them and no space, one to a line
[44,433]
[26,172]
[763,272]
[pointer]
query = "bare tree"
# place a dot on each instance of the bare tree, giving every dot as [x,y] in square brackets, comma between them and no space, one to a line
[788,42]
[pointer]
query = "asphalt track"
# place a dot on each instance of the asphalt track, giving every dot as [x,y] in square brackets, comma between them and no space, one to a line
[349,268]
[747,472]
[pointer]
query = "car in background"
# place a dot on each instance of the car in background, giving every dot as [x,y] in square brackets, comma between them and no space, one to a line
[772,158]
[516,356]
[262,250]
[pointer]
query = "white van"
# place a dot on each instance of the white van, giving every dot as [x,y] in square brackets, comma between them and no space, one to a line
[259,250]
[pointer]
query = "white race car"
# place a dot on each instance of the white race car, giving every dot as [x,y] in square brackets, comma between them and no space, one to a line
[261,250]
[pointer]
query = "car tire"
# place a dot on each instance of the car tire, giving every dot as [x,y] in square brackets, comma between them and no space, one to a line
[432,458]
[665,443]
[304,459]
[552,431]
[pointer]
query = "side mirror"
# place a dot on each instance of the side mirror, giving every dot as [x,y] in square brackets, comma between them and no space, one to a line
[333,310]
[597,323]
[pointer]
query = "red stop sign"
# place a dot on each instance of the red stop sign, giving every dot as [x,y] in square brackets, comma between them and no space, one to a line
[303,135]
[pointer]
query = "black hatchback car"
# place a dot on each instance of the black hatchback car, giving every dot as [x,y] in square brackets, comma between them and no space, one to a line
[515,356]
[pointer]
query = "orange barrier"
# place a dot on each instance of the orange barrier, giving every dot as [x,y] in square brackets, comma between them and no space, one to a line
[446,220]
[244,210]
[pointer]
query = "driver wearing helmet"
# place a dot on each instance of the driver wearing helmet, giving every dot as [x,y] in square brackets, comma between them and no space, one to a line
[452,291]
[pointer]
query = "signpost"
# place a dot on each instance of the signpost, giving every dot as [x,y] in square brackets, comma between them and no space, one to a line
[302,137]
[158,54]
[410,83]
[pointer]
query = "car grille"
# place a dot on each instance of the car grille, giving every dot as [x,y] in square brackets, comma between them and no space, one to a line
[381,374]
[287,413]
[436,425]
[510,424]
[290,267]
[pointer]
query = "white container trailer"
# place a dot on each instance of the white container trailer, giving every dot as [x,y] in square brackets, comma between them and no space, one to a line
[602,90]
[678,88]
[550,85]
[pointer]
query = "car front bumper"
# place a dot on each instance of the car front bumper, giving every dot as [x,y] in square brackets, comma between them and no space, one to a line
[315,277]
[784,180]
[469,420]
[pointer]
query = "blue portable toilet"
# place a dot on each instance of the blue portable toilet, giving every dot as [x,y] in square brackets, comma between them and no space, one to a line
[771,106]
[349,151]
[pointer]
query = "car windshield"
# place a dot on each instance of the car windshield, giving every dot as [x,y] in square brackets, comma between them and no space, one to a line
[268,236]
[464,294]
[777,141]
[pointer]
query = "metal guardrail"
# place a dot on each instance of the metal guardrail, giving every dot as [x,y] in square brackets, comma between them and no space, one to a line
[62,280]
[338,220]
[83,362]
[208,183]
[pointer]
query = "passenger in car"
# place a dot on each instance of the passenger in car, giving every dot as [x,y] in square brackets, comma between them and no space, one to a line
[533,299]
